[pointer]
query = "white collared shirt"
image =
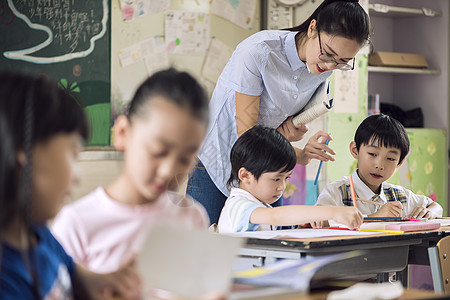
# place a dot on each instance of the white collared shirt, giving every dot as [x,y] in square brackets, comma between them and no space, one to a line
[236,213]
[331,195]
[267,65]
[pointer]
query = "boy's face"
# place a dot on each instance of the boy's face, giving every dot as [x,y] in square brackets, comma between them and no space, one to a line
[160,149]
[55,172]
[376,163]
[269,186]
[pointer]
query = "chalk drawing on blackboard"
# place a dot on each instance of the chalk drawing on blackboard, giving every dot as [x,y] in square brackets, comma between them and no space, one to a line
[25,54]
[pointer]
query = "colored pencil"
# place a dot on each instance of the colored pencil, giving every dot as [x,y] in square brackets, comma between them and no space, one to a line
[320,165]
[368,201]
[352,190]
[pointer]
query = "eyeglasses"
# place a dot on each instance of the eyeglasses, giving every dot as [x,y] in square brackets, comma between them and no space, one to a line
[326,58]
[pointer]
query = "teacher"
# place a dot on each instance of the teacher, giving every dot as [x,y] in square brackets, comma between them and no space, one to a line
[269,78]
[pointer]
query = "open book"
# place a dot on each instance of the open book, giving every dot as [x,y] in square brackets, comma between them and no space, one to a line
[317,106]
[286,277]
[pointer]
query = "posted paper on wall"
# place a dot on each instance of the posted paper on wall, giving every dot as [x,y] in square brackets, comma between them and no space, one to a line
[136,8]
[187,32]
[240,12]
[218,55]
[346,85]
[159,59]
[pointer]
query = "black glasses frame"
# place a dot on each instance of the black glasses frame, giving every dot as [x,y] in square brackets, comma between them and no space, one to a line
[329,59]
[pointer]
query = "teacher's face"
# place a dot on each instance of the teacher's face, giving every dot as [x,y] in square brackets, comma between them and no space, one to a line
[325,52]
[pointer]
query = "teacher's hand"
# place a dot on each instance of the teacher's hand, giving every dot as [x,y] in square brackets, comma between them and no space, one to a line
[315,148]
[290,132]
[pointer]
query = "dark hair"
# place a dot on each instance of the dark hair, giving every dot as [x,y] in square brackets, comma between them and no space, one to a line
[32,110]
[49,110]
[260,150]
[179,88]
[384,130]
[340,18]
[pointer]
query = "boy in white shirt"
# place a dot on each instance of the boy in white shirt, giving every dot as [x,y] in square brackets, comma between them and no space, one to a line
[262,159]
[380,146]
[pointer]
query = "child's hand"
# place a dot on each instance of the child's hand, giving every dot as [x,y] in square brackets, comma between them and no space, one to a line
[317,224]
[390,209]
[348,215]
[421,212]
[124,283]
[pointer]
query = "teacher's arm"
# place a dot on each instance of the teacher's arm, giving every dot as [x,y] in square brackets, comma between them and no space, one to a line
[247,110]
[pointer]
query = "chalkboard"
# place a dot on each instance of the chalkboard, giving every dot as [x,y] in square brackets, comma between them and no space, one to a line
[69,40]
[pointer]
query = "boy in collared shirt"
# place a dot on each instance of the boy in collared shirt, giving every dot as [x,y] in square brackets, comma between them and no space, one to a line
[380,146]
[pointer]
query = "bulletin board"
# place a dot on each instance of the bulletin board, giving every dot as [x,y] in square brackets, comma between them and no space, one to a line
[69,41]
[136,29]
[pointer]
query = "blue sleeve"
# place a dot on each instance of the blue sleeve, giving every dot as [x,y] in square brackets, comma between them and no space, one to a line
[245,69]
[57,249]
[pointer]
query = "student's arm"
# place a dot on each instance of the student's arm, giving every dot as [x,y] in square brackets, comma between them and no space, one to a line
[432,211]
[247,110]
[299,214]
[124,283]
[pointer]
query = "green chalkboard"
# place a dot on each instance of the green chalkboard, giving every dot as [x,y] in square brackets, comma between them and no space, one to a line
[69,40]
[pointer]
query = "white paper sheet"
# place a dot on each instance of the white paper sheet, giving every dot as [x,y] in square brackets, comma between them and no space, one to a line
[240,12]
[346,85]
[187,263]
[136,52]
[187,32]
[136,8]
[218,55]
[298,233]
[159,59]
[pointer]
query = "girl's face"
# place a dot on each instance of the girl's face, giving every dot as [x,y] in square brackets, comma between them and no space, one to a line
[160,148]
[269,186]
[330,47]
[55,171]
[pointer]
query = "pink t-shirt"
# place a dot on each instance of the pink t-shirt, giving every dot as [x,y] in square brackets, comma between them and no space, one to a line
[101,233]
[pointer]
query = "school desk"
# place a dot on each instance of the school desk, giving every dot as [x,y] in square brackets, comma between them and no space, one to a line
[384,253]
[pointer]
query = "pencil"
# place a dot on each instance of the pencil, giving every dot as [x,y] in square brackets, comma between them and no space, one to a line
[369,201]
[352,190]
[383,231]
[320,165]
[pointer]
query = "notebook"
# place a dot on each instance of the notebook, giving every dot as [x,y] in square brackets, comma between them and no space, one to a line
[187,263]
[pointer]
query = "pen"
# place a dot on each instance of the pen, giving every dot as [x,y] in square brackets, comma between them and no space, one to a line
[320,165]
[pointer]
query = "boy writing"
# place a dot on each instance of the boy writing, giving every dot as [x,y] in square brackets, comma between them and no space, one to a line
[262,159]
[380,146]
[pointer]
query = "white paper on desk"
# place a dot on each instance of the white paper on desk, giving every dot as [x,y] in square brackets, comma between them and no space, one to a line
[188,263]
[298,233]
[442,221]
[369,291]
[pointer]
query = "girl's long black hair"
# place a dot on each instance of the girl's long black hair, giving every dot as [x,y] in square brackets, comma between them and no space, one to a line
[32,109]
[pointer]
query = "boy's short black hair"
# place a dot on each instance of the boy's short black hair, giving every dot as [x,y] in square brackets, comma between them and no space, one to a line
[259,150]
[384,130]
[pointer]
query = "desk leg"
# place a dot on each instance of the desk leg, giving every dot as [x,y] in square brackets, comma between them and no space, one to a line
[382,277]
[402,276]
[436,269]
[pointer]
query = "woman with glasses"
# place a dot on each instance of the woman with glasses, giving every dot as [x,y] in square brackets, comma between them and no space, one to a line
[270,77]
